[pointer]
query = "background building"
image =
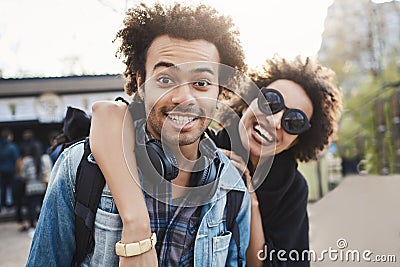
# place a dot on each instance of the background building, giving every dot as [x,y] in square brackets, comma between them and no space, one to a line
[360,37]
[40,104]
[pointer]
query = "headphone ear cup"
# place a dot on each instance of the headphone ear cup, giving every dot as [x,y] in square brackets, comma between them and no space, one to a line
[204,164]
[160,161]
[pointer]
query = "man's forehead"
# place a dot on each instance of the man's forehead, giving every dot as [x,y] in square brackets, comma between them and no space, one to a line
[190,67]
[174,51]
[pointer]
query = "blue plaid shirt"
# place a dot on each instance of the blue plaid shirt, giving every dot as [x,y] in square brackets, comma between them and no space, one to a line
[176,229]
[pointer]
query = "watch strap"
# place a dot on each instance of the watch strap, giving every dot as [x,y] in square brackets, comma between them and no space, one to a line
[135,248]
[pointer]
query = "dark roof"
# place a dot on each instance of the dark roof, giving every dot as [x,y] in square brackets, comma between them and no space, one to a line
[60,85]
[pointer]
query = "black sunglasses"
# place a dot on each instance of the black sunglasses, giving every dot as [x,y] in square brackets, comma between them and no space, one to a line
[294,121]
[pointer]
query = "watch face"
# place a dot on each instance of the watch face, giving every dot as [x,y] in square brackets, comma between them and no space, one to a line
[120,249]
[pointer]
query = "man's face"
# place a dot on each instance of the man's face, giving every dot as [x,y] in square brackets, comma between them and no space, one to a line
[181,88]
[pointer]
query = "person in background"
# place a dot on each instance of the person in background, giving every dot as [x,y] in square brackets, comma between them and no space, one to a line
[52,137]
[35,178]
[19,192]
[9,154]
[29,143]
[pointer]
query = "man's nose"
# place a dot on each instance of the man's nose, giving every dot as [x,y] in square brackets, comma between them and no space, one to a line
[183,94]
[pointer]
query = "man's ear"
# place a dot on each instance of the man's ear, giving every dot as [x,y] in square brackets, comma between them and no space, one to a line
[139,82]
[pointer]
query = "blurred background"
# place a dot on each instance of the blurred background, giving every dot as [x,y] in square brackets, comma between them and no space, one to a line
[57,53]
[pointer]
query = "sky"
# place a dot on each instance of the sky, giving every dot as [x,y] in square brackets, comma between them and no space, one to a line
[47,38]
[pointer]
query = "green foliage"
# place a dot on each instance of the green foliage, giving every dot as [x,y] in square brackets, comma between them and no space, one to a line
[357,120]
[358,130]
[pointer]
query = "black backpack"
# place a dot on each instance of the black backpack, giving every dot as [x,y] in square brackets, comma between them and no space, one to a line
[89,187]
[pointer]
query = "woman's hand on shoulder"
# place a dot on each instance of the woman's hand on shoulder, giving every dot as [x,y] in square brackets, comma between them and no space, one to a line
[238,162]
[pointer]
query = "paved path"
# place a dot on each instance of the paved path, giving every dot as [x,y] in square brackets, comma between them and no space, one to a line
[14,246]
[360,216]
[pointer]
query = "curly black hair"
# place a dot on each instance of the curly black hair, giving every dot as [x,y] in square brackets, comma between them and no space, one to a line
[143,24]
[318,83]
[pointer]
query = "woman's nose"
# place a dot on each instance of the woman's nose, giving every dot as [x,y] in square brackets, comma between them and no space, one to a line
[276,119]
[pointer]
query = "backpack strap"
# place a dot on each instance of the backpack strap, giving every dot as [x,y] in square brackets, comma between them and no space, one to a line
[88,188]
[234,200]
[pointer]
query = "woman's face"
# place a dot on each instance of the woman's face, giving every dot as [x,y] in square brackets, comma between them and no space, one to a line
[263,135]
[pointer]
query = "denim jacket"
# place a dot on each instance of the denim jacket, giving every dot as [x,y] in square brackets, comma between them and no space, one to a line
[54,241]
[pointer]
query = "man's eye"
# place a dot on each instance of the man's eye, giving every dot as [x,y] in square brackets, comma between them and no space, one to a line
[202,83]
[165,80]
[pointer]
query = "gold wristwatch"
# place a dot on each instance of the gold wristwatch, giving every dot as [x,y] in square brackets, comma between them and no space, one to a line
[136,248]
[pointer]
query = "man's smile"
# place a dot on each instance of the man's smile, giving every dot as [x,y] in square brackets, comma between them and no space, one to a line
[182,119]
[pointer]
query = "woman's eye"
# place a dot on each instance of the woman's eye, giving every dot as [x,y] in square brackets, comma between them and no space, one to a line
[165,80]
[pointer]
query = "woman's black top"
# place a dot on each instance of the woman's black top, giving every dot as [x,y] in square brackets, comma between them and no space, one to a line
[282,198]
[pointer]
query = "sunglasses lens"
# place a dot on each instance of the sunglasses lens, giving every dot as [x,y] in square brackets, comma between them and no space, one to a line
[274,101]
[294,122]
